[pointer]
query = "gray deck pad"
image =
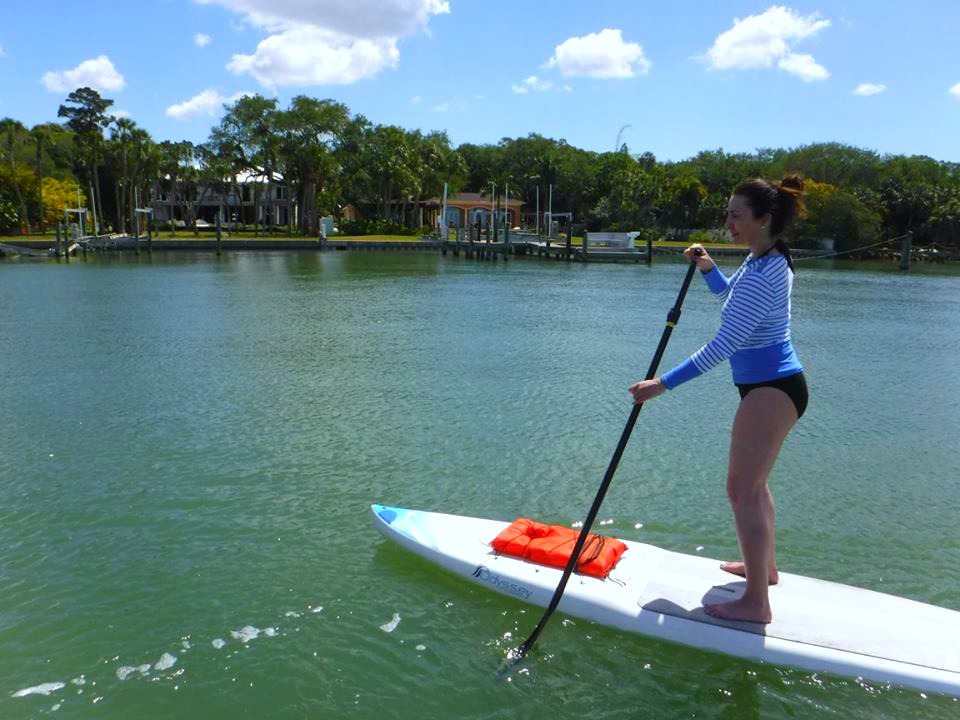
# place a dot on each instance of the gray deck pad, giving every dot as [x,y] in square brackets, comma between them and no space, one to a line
[814,612]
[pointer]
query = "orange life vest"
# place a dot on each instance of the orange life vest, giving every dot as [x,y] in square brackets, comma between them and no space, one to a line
[553,544]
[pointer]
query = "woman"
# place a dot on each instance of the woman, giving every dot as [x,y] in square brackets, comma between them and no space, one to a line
[755,336]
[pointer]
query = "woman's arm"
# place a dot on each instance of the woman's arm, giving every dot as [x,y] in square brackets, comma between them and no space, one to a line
[716,280]
[746,309]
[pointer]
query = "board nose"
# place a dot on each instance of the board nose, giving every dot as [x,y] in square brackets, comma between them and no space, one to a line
[387,514]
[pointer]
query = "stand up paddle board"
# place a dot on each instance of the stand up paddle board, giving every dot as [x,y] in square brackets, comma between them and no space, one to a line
[817,625]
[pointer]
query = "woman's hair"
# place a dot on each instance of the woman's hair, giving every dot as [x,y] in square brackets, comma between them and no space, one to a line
[783,203]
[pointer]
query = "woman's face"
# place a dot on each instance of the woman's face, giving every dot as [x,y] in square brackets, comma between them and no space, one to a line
[743,226]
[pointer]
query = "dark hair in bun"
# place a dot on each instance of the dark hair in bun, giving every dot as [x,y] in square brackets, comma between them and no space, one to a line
[783,202]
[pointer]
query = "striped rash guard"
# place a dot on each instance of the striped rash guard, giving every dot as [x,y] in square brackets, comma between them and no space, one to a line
[754,328]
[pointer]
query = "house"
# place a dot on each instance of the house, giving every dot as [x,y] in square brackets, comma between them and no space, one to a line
[240,199]
[466,208]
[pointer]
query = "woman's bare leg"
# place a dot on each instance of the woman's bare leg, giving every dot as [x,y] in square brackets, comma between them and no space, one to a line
[737,568]
[763,420]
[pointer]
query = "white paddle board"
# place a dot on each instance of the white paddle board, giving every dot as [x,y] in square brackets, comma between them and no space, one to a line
[817,625]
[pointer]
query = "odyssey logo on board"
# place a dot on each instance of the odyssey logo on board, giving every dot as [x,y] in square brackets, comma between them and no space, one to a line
[484,574]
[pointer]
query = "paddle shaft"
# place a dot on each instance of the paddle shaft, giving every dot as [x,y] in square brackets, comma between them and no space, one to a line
[672,318]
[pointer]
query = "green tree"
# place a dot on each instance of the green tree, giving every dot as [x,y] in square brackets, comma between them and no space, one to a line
[833,163]
[311,131]
[838,214]
[945,222]
[178,178]
[118,150]
[908,205]
[216,175]
[681,199]
[438,163]
[86,113]
[58,195]
[13,133]
[249,129]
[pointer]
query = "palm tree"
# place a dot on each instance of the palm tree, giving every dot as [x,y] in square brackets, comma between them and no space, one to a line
[121,138]
[38,133]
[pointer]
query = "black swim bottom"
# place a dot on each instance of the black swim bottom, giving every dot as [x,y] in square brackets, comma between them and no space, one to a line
[795,386]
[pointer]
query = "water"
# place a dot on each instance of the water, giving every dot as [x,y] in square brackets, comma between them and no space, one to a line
[190,445]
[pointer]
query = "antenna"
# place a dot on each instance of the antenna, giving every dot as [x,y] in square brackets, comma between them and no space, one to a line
[616,147]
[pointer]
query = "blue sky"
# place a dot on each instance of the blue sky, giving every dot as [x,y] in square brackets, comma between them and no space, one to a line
[684,76]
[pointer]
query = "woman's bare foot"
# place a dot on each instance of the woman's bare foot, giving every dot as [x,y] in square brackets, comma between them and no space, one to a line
[737,568]
[740,610]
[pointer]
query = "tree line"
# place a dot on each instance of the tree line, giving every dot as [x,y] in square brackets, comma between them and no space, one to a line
[329,159]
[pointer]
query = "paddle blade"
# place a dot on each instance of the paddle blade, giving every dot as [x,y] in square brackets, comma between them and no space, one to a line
[513,660]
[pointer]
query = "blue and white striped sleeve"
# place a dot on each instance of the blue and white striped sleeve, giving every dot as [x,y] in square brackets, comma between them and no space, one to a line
[718,283]
[745,310]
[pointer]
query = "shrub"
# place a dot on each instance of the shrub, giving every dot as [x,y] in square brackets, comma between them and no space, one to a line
[375,226]
[700,236]
[9,217]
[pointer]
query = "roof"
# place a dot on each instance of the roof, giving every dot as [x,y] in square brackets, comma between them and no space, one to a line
[473,199]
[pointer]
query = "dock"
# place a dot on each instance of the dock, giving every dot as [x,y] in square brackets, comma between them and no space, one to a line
[519,244]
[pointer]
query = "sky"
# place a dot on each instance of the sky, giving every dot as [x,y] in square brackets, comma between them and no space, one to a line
[671,78]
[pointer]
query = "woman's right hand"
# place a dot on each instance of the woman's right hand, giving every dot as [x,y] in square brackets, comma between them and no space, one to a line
[698,253]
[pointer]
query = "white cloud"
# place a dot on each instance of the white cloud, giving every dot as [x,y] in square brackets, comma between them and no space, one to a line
[201,39]
[759,41]
[955,91]
[532,83]
[326,42]
[416,100]
[866,89]
[356,18]
[442,107]
[599,55]
[209,102]
[121,113]
[803,66]
[313,56]
[1,50]
[480,96]
[97,73]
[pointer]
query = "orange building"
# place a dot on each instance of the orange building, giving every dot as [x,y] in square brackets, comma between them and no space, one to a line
[465,208]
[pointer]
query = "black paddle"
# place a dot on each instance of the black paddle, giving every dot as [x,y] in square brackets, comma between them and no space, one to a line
[517,654]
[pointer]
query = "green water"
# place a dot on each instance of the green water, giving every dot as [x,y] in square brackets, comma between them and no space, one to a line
[190,445]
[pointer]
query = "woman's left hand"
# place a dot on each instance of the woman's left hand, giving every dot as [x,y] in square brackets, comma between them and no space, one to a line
[647,390]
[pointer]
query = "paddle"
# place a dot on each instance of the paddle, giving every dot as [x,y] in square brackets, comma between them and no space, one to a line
[517,654]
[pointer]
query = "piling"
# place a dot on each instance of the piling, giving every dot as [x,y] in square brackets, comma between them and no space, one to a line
[649,259]
[905,248]
[59,242]
[219,237]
